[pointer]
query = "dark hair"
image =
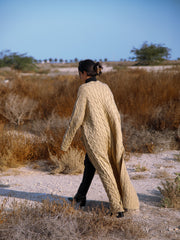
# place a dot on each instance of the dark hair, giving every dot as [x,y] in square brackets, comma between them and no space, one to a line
[93,69]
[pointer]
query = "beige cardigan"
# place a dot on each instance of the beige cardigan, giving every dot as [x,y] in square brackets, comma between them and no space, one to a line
[96,113]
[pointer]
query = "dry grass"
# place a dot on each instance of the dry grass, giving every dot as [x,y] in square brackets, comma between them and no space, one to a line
[127,156]
[177,157]
[146,140]
[71,162]
[17,149]
[41,141]
[162,174]
[16,109]
[170,191]
[148,103]
[57,220]
[138,177]
[149,99]
[139,168]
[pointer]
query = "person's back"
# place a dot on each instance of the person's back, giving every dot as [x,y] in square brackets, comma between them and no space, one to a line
[99,101]
[101,118]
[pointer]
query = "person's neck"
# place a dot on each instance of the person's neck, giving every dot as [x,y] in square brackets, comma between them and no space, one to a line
[89,79]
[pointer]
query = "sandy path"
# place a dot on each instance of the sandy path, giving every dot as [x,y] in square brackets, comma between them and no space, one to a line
[34,185]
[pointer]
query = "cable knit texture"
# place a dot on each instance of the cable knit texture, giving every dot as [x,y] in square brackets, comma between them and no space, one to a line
[96,113]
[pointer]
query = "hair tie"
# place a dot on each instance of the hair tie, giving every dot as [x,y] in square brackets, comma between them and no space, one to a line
[98,70]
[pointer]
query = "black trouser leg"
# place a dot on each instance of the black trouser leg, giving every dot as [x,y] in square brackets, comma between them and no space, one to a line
[88,175]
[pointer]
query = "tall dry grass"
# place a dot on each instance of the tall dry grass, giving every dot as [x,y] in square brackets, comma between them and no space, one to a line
[149,99]
[149,103]
[18,149]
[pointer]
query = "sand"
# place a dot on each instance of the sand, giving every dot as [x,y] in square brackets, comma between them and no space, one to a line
[34,185]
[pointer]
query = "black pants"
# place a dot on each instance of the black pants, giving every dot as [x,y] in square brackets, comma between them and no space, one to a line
[89,171]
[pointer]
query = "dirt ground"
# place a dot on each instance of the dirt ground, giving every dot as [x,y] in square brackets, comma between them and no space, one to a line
[146,171]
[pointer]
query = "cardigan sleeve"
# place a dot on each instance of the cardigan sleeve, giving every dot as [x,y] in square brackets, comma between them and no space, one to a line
[76,119]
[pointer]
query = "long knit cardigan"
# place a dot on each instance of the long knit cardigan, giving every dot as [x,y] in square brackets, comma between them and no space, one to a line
[96,113]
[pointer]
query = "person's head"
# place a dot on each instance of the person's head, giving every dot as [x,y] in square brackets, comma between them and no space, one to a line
[90,68]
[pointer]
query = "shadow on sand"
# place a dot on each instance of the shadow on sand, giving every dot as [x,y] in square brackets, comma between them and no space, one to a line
[152,200]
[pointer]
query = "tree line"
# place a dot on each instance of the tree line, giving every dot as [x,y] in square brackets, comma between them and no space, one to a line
[55,60]
[147,54]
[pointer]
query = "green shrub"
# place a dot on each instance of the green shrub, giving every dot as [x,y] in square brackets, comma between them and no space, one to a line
[150,54]
[17,61]
[171,193]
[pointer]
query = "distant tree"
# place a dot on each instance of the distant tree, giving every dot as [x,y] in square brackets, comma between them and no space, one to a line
[17,61]
[75,60]
[50,60]
[55,60]
[105,60]
[60,60]
[45,60]
[150,54]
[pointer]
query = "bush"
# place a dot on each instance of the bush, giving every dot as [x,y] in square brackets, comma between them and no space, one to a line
[150,54]
[171,193]
[16,109]
[17,61]
[71,162]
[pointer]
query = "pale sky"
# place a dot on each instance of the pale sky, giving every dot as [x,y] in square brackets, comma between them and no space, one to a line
[94,29]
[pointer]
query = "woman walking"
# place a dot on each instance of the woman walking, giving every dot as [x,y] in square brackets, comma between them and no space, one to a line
[96,113]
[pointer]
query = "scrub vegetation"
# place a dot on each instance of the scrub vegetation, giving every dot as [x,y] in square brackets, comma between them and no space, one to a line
[17,61]
[170,190]
[34,113]
[151,54]
[54,220]
[35,110]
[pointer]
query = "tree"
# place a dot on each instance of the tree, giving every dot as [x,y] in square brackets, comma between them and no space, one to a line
[150,54]
[17,61]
